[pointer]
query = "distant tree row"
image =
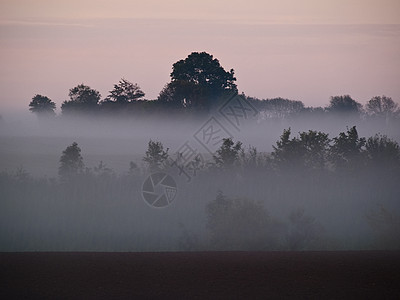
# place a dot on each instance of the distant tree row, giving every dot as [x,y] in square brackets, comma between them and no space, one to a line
[197,83]
[311,177]
[311,151]
[376,107]
[314,151]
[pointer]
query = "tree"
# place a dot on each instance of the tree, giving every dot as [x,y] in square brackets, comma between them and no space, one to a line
[71,162]
[125,92]
[303,231]
[239,224]
[155,155]
[228,153]
[347,150]
[383,152]
[181,94]
[344,105]
[42,106]
[288,153]
[309,151]
[197,80]
[278,107]
[316,145]
[382,106]
[101,170]
[252,159]
[386,224]
[82,99]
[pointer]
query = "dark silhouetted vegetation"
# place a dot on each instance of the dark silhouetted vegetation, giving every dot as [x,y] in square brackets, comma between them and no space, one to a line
[199,84]
[42,106]
[71,162]
[344,105]
[382,107]
[197,81]
[156,156]
[83,99]
[337,183]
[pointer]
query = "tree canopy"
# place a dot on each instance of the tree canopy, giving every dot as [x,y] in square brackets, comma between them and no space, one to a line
[156,156]
[71,161]
[198,84]
[344,104]
[382,106]
[383,151]
[125,92]
[42,106]
[309,151]
[347,150]
[82,99]
[228,153]
[197,80]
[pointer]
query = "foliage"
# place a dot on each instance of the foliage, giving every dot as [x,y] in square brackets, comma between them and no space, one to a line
[33,208]
[347,150]
[82,99]
[383,152]
[133,168]
[238,224]
[102,170]
[197,80]
[227,155]
[42,106]
[252,159]
[386,225]
[188,241]
[344,105]
[125,92]
[71,161]
[277,107]
[155,155]
[288,152]
[303,231]
[382,106]
[308,151]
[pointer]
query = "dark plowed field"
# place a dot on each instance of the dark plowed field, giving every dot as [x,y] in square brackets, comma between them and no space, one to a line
[201,275]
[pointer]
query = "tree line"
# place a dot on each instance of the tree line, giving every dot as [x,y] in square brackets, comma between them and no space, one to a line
[358,175]
[197,84]
[311,151]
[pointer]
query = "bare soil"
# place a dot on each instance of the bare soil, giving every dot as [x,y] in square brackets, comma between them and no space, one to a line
[201,275]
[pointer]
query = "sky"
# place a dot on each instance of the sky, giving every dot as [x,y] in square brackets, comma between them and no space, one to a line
[306,50]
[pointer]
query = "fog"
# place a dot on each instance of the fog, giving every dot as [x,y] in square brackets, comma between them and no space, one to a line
[103,209]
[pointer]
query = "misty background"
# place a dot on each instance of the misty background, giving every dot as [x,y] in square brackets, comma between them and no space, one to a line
[104,210]
[327,60]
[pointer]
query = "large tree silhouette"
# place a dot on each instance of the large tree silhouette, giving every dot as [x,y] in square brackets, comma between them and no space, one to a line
[344,105]
[82,99]
[196,81]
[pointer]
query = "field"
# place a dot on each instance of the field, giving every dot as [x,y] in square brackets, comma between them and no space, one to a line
[200,275]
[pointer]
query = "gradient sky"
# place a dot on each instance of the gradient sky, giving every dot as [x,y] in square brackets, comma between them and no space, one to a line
[305,50]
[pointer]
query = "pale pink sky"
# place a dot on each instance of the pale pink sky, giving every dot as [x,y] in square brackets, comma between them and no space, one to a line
[307,50]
